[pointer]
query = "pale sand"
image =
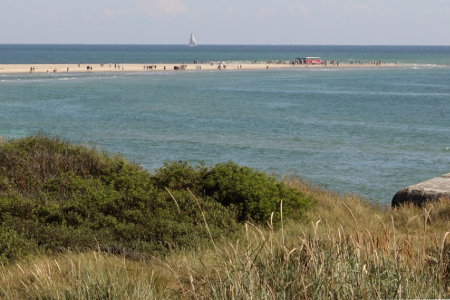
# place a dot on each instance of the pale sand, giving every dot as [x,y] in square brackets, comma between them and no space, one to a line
[82,68]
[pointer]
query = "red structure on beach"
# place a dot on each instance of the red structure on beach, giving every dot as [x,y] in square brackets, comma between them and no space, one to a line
[309,60]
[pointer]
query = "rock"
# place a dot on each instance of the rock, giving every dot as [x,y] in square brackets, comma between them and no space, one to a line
[418,194]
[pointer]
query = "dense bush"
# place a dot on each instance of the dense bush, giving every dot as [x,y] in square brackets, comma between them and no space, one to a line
[252,195]
[55,195]
[180,176]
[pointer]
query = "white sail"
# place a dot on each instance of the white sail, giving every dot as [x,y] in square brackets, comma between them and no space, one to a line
[192,41]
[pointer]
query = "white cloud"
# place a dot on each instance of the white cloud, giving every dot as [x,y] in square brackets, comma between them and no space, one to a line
[111,13]
[264,14]
[162,8]
[300,8]
[356,7]
[57,18]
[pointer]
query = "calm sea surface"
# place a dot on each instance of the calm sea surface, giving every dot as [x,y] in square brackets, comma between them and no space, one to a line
[365,131]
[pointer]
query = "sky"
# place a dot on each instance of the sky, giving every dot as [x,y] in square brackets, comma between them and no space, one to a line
[289,22]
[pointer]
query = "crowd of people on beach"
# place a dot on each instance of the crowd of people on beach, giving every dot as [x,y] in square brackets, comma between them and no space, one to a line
[219,65]
[337,62]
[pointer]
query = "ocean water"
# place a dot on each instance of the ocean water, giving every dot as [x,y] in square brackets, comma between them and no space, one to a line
[40,54]
[364,131]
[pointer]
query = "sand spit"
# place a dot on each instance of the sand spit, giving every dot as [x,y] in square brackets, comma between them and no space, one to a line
[144,67]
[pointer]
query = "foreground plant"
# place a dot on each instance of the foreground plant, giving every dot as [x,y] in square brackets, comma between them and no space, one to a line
[56,196]
[350,249]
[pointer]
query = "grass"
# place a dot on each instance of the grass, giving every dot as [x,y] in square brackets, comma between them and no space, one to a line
[345,248]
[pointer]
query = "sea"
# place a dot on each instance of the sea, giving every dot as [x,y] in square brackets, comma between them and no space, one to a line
[365,131]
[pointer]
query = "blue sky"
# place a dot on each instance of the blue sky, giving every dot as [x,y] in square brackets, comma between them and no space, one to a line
[346,22]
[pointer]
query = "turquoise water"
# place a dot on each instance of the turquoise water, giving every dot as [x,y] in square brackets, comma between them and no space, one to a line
[365,131]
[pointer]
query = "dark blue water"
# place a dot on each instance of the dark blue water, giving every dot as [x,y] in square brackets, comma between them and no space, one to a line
[365,131]
[40,54]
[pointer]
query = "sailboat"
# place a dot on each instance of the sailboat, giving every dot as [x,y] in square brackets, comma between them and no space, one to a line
[192,42]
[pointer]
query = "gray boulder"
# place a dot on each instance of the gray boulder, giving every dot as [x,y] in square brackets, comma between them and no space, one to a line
[418,194]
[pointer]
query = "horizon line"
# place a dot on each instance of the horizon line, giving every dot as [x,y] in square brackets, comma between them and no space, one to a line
[199,45]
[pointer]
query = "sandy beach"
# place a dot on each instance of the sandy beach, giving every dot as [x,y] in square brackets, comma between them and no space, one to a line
[144,67]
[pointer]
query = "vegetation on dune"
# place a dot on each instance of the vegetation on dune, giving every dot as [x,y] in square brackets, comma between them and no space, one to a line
[55,196]
[252,195]
[350,249]
[342,247]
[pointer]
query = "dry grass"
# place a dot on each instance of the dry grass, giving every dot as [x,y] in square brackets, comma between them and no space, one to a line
[348,248]
[82,276]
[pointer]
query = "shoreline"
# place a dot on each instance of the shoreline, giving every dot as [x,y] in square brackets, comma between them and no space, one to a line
[170,67]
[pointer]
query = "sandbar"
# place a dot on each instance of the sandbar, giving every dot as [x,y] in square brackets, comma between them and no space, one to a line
[149,67]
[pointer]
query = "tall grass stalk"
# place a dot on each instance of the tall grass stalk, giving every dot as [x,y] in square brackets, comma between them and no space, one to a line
[346,248]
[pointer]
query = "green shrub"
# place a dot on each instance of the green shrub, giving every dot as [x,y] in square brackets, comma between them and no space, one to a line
[180,176]
[253,195]
[55,195]
[250,194]
[13,245]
